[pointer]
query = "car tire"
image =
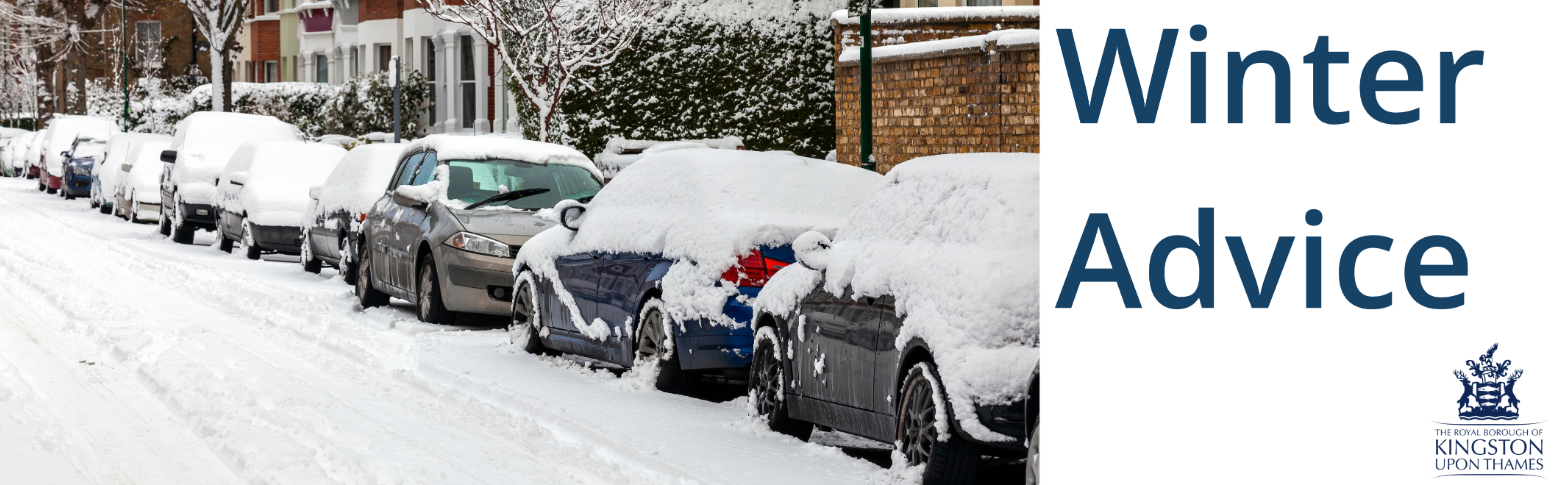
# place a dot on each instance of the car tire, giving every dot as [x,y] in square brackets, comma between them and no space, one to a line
[653,343]
[524,330]
[1033,477]
[104,209]
[132,213]
[951,461]
[51,191]
[429,295]
[768,387]
[366,294]
[310,263]
[183,234]
[41,186]
[165,222]
[96,205]
[250,250]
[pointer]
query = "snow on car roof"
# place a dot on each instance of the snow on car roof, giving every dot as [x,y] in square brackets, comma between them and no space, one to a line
[145,157]
[205,141]
[280,173]
[704,208]
[484,147]
[360,178]
[954,239]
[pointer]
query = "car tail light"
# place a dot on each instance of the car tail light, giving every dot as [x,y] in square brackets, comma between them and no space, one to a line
[361,217]
[753,270]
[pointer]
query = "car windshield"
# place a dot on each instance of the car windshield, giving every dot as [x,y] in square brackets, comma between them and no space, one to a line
[89,149]
[472,181]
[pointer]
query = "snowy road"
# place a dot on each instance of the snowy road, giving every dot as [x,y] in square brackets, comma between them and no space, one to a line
[125,358]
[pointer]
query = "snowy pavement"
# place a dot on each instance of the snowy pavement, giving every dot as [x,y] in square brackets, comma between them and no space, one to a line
[125,358]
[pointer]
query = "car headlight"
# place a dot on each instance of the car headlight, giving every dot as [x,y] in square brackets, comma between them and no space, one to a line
[476,243]
[83,171]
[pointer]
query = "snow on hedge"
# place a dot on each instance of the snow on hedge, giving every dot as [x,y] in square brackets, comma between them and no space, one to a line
[703,208]
[954,239]
[615,156]
[489,147]
[279,175]
[145,158]
[206,140]
[939,14]
[1002,37]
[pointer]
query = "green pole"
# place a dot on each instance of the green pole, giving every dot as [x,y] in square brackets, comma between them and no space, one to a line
[866,96]
[124,61]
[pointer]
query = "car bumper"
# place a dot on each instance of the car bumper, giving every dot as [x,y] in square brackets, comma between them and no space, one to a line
[199,215]
[281,239]
[702,344]
[52,181]
[1008,420]
[472,282]
[78,186]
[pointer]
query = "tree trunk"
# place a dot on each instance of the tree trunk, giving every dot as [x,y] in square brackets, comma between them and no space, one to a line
[220,87]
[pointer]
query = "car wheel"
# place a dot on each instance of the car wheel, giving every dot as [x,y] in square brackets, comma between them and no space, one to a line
[310,263]
[166,223]
[767,388]
[366,295]
[132,213]
[951,460]
[249,249]
[653,345]
[429,296]
[1032,477]
[51,190]
[523,332]
[95,205]
[42,187]
[104,208]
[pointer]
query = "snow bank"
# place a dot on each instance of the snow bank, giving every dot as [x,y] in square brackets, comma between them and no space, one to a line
[144,181]
[704,208]
[206,140]
[358,180]
[488,147]
[62,133]
[954,239]
[621,152]
[939,14]
[280,173]
[1002,38]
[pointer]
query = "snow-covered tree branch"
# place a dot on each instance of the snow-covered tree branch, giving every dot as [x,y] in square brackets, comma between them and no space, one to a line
[546,44]
[219,21]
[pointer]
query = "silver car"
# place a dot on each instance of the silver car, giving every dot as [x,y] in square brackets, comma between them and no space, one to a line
[446,242]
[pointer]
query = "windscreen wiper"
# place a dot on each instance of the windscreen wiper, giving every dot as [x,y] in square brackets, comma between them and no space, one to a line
[507,196]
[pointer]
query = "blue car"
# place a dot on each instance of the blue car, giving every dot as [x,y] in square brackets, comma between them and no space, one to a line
[87,148]
[659,265]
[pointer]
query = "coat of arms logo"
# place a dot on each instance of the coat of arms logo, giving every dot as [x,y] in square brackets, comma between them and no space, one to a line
[1487,389]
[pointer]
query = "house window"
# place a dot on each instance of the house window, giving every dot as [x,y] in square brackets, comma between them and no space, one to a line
[928,3]
[272,71]
[984,3]
[322,63]
[431,73]
[148,42]
[383,57]
[272,5]
[467,80]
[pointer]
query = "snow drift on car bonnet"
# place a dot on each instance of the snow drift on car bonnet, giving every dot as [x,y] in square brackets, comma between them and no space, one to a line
[704,208]
[954,239]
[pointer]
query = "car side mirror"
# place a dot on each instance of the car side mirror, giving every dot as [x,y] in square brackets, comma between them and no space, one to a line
[406,195]
[125,167]
[813,250]
[570,214]
[65,154]
[238,178]
[314,191]
[169,156]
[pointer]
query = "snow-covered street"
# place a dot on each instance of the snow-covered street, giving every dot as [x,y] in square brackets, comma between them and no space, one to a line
[126,358]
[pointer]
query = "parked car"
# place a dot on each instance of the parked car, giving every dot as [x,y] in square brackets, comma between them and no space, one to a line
[332,223]
[444,232]
[106,173]
[137,194]
[202,144]
[657,268]
[264,191]
[8,143]
[32,157]
[918,323]
[85,152]
[58,140]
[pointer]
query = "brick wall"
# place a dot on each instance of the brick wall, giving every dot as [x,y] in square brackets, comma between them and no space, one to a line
[977,100]
[379,10]
[266,40]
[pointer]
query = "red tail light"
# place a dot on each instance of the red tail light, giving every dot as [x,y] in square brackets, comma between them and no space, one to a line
[753,270]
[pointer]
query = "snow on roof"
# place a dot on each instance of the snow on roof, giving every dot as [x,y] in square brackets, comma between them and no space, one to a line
[360,178]
[939,14]
[486,147]
[280,174]
[1010,37]
[205,140]
[954,239]
[621,152]
[704,208]
[145,157]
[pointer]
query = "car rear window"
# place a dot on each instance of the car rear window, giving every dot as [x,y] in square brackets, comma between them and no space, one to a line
[475,180]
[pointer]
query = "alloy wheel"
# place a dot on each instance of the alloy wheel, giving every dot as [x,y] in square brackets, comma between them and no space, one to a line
[918,432]
[650,338]
[768,379]
[522,329]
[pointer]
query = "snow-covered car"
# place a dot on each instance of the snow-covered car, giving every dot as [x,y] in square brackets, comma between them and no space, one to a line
[57,141]
[918,322]
[332,223]
[137,196]
[8,143]
[88,148]
[264,192]
[657,268]
[203,142]
[444,233]
[33,157]
[105,174]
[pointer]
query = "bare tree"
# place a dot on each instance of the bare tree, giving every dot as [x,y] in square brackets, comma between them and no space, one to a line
[219,21]
[546,44]
[60,33]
